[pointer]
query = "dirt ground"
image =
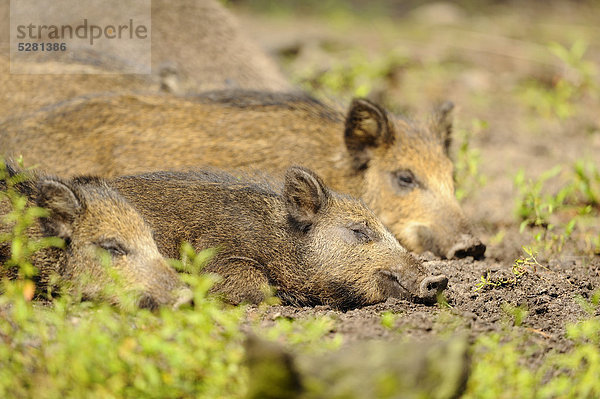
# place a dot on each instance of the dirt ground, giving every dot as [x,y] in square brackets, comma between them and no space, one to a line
[479,59]
[549,295]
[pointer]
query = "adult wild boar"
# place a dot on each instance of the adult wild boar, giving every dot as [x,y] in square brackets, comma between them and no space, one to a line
[308,243]
[400,168]
[92,218]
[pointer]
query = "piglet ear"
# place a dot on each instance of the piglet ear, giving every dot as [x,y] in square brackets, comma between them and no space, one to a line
[64,206]
[305,195]
[443,124]
[367,127]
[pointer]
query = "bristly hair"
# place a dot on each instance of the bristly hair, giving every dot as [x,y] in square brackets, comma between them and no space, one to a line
[241,98]
[88,179]
[243,179]
[350,297]
[26,186]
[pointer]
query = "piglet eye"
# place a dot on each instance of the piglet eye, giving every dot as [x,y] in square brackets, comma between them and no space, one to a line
[405,178]
[361,234]
[113,247]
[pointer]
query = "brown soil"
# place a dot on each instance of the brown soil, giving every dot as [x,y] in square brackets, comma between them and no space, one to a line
[548,294]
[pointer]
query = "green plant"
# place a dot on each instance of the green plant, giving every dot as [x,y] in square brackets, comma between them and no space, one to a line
[579,71]
[586,183]
[534,207]
[577,371]
[17,221]
[526,264]
[523,265]
[79,349]
[388,319]
[518,314]
[502,366]
[354,76]
[554,101]
[499,367]
[486,281]
[555,216]
[76,349]
[558,97]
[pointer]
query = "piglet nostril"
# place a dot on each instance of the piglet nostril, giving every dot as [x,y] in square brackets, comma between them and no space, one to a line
[467,245]
[432,286]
